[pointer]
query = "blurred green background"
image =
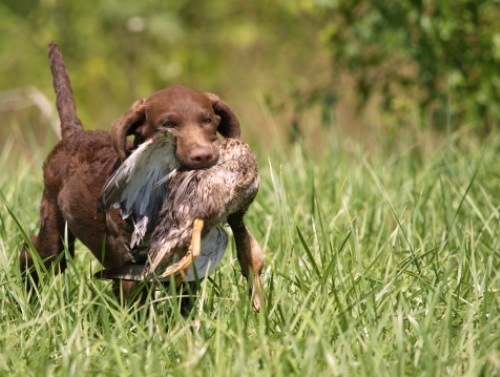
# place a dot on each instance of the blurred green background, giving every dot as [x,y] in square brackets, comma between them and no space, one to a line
[291,69]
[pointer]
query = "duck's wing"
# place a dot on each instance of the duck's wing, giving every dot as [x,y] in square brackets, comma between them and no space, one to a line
[182,246]
[137,187]
[213,246]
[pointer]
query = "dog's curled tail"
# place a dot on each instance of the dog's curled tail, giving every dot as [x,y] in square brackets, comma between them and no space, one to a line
[64,95]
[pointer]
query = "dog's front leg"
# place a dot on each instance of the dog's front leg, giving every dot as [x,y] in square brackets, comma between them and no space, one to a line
[250,257]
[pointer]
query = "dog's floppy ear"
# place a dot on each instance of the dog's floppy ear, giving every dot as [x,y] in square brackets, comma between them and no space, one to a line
[127,125]
[229,126]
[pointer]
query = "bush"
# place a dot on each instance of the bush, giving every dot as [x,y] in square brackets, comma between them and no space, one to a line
[441,56]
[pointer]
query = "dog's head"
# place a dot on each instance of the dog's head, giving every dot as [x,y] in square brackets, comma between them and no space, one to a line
[193,117]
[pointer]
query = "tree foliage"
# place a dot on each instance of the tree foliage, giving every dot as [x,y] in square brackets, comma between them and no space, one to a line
[439,57]
[443,56]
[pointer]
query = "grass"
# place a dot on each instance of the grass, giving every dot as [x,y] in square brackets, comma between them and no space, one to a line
[381,263]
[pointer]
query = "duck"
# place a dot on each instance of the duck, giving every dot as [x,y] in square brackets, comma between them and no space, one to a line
[178,215]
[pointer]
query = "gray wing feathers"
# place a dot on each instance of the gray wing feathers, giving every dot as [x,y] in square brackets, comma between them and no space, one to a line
[213,246]
[137,187]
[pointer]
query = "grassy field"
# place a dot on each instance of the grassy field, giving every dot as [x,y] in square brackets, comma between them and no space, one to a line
[381,262]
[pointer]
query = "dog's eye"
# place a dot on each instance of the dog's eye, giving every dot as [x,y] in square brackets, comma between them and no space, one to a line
[207,121]
[168,124]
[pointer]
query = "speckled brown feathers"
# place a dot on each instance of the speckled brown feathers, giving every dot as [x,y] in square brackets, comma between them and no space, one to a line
[212,194]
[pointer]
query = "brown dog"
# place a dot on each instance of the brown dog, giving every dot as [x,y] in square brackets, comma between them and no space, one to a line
[77,168]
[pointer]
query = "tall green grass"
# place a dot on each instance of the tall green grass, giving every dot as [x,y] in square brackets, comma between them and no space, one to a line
[378,263]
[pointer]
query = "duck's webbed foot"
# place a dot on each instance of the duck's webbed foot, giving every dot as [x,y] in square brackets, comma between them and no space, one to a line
[180,267]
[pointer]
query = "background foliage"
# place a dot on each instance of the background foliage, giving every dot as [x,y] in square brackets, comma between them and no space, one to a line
[442,56]
[363,66]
